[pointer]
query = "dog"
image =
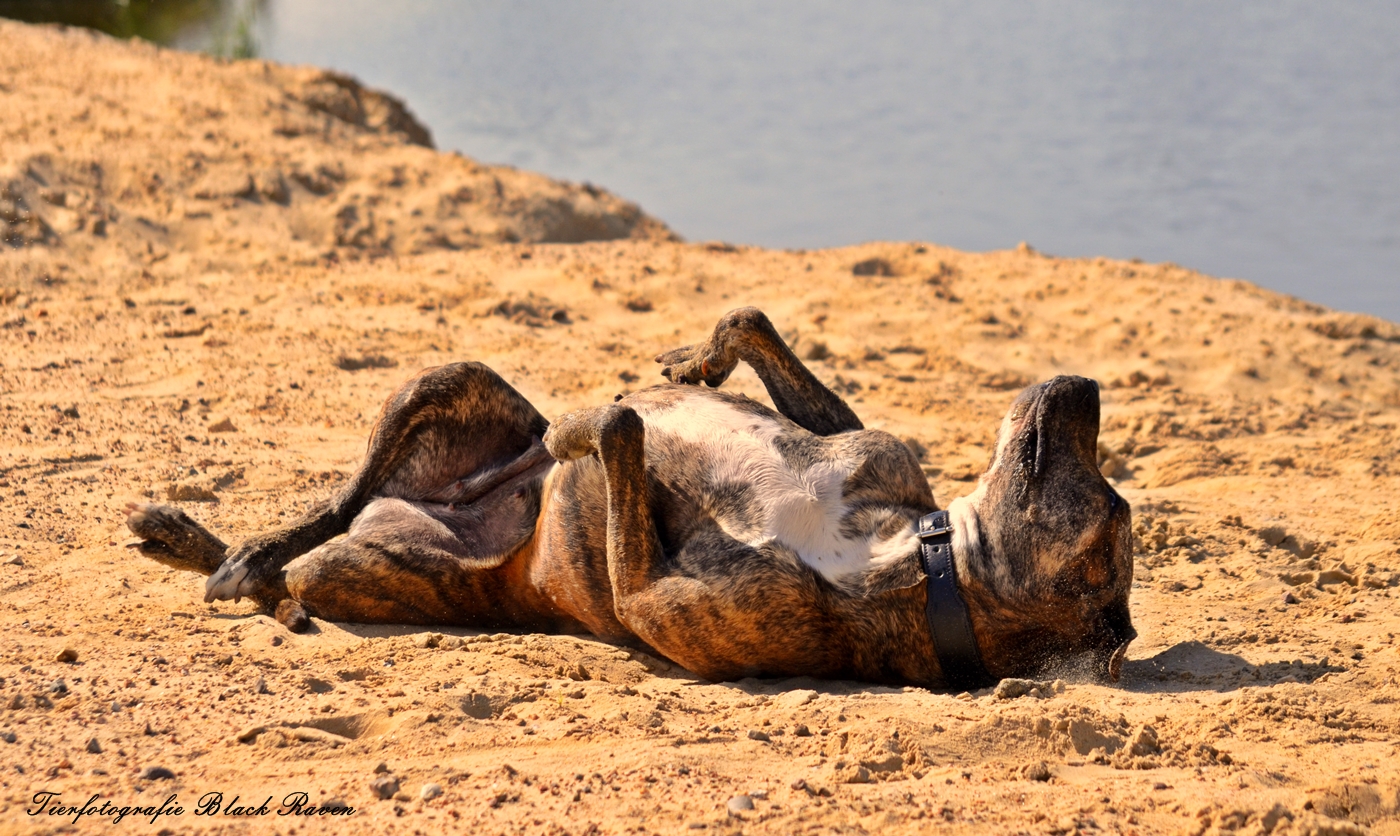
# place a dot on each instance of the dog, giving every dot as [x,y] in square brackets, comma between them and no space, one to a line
[732,539]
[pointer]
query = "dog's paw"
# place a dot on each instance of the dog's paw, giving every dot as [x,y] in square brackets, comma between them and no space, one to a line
[693,364]
[230,582]
[573,435]
[156,522]
[170,536]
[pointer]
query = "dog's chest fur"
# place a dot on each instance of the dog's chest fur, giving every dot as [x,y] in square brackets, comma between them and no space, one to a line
[720,460]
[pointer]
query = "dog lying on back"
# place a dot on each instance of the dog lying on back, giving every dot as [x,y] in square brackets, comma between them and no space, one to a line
[734,540]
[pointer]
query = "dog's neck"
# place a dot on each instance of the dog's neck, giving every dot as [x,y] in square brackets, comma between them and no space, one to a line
[970,557]
[955,537]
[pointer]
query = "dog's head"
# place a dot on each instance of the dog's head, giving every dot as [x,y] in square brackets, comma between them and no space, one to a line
[1048,541]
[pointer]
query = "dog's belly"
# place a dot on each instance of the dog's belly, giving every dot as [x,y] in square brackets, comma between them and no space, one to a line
[732,485]
[726,461]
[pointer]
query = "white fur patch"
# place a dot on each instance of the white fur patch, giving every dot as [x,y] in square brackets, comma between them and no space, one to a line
[799,509]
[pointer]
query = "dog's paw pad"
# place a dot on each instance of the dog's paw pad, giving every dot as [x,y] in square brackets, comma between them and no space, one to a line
[157,522]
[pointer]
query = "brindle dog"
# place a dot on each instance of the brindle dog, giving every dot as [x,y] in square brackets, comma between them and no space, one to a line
[732,539]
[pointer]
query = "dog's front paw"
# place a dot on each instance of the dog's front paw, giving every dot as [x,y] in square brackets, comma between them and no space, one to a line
[230,583]
[693,364]
[572,435]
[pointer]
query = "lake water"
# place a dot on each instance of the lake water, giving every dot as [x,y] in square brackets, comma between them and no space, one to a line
[1257,140]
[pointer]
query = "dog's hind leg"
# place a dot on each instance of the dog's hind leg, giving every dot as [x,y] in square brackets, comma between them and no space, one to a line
[425,563]
[617,436]
[451,434]
[169,536]
[746,334]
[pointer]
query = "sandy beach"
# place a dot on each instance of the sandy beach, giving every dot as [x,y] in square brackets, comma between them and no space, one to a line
[213,274]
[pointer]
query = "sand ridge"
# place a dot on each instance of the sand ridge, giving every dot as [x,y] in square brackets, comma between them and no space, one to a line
[224,332]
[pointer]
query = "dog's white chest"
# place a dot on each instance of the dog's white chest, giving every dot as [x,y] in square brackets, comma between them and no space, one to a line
[795,502]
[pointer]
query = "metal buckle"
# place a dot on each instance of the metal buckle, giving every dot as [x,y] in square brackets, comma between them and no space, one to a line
[927,527]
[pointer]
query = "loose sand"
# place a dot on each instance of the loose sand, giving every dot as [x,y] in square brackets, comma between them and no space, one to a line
[216,272]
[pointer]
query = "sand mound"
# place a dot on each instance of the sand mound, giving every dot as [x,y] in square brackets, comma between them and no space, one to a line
[124,148]
[216,271]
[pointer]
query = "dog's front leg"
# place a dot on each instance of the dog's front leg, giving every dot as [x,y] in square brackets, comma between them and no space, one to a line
[616,435]
[746,334]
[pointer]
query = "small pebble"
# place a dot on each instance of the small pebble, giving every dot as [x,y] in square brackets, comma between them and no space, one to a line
[430,791]
[8,736]
[381,769]
[58,687]
[759,794]
[801,730]
[740,804]
[755,734]
[156,773]
[261,687]
[385,787]
[67,654]
[94,747]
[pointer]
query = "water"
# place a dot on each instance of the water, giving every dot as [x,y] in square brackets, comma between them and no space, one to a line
[1258,140]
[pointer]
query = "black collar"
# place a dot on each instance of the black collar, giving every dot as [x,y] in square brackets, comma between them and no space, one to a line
[948,620]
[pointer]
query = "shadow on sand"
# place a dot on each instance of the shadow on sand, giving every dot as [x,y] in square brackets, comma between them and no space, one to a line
[1193,666]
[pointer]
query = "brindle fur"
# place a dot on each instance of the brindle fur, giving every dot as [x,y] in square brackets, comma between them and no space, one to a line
[458,516]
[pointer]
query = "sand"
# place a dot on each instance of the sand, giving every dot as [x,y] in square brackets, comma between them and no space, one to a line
[216,271]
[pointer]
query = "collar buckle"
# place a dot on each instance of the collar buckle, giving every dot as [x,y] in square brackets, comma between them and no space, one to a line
[935,524]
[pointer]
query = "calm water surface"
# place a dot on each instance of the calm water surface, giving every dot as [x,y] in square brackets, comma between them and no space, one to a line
[1258,140]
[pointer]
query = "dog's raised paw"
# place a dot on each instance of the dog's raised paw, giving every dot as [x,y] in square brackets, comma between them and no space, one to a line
[571,436]
[695,364]
[675,362]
